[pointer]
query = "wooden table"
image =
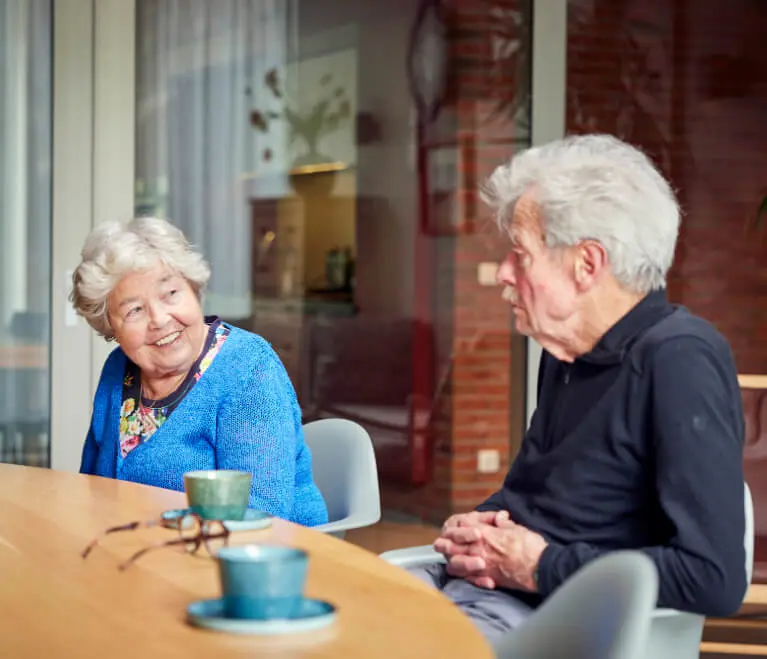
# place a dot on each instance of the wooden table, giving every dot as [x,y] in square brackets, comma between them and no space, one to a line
[745,633]
[55,604]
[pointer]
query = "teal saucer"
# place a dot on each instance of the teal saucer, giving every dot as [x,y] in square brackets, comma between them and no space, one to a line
[253,520]
[313,615]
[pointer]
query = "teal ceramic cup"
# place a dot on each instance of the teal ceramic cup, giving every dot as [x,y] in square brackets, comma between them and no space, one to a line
[262,581]
[218,494]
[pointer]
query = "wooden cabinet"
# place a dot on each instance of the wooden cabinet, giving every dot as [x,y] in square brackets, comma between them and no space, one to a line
[277,279]
[346,354]
[290,239]
[277,247]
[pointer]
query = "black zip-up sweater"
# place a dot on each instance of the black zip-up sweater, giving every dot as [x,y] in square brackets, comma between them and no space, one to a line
[639,444]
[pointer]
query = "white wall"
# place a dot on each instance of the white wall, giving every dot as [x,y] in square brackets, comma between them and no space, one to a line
[379,33]
[387,168]
[71,338]
[93,173]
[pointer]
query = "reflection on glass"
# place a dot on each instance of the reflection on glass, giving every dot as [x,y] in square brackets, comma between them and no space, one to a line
[283,138]
[200,75]
[25,230]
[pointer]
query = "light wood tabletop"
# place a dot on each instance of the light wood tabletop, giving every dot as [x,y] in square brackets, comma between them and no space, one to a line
[752,381]
[53,603]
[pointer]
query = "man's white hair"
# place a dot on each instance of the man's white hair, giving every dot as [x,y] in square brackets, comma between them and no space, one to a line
[599,188]
[115,249]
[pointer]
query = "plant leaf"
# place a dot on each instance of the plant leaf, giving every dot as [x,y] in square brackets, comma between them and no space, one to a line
[258,121]
[272,81]
[761,213]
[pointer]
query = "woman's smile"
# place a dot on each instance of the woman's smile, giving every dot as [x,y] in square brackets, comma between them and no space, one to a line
[168,340]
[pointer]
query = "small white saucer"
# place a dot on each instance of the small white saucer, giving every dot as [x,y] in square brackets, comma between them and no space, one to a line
[209,614]
[253,520]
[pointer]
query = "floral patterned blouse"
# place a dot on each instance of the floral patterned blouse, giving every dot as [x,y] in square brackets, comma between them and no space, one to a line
[138,422]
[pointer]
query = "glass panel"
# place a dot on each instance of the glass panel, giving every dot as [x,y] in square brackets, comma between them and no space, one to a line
[25,230]
[324,155]
[687,83]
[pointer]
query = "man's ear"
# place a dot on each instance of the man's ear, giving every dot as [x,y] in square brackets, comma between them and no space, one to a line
[590,262]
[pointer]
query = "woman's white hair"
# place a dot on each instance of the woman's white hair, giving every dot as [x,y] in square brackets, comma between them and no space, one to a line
[600,188]
[115,249]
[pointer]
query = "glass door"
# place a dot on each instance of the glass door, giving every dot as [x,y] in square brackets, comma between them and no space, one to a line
[334,193]
[25,230]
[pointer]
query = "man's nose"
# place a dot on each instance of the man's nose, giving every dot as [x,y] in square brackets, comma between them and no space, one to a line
[505,274]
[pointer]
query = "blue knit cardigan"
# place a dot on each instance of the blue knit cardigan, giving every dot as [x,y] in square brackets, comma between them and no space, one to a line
[242,414]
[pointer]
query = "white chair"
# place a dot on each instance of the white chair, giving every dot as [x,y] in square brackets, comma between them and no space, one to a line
[344,466]
[677,634]
[602,612]
[673,634]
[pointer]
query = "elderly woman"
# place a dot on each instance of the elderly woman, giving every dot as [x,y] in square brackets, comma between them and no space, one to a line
[182,391]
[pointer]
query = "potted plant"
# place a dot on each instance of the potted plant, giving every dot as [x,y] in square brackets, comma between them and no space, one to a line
[325,116]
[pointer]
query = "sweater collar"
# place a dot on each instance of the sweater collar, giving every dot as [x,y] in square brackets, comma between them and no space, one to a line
[617,341]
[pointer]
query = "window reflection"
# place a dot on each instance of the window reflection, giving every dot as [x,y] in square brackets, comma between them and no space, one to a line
[25,230]
[290,140]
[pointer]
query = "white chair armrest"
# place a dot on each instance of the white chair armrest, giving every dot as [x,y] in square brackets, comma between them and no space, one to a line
[413,556]
[353,521]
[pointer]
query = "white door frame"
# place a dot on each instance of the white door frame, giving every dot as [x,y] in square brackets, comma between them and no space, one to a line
[72,215]
[549,91]
[114,126]
[93,172]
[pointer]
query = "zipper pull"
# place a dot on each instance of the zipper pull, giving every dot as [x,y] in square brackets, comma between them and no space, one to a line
[567,375]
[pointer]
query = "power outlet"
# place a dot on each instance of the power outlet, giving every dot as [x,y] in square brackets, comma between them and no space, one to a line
[488,461]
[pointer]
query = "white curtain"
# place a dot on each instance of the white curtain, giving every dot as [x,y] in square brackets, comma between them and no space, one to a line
[201,69]
[25,162]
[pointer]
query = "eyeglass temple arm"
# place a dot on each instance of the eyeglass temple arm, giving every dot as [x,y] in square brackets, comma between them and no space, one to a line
[131,526]
[168,543]
[196,540]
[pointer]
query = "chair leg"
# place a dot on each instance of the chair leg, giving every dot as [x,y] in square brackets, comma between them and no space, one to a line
[10,447]
[33,444]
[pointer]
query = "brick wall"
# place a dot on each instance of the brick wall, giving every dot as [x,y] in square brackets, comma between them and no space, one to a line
[482,403]
[491,65]
[678,78]
[688,83]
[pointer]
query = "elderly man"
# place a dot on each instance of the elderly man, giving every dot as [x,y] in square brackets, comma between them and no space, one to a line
[637,441]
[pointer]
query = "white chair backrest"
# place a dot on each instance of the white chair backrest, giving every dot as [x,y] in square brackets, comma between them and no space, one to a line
[602,612]
[344,466]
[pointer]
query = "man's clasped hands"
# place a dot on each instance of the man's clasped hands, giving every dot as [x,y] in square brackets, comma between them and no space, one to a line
[490,550]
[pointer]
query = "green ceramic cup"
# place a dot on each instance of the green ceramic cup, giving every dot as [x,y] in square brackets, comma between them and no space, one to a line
[219,493]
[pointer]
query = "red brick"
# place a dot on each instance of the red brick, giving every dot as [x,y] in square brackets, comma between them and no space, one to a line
[720,270]
[471,321]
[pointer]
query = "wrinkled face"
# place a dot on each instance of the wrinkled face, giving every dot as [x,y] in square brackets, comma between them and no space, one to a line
[157,320]
[540,286]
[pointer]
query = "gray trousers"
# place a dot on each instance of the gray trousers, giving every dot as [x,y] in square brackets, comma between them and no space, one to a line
[493,612]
